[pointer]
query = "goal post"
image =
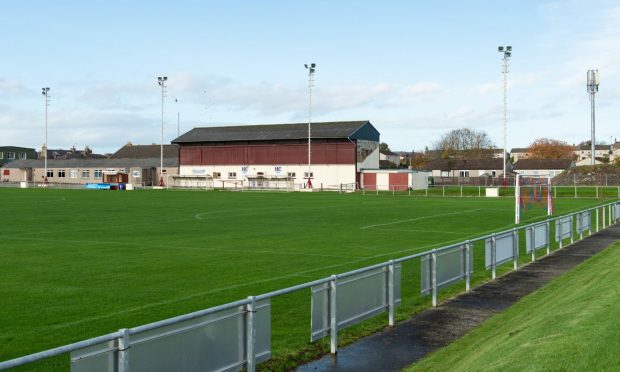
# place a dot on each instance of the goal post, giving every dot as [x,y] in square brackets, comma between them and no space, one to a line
[529,192]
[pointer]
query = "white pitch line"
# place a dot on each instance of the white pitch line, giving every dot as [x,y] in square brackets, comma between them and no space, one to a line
[421,218]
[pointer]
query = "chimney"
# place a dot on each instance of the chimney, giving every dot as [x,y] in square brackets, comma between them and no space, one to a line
[43,153]
[87,151]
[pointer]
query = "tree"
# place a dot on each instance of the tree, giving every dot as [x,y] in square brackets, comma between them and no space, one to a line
[418,160]
[547,148]
[384,148]
[465,143]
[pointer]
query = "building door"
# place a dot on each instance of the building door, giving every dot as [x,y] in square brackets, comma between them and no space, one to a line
[398,181]
[370,181]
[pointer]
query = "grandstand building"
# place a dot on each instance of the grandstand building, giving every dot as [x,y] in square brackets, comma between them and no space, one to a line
[265,156]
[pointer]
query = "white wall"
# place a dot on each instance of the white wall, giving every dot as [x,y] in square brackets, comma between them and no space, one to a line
[325,175]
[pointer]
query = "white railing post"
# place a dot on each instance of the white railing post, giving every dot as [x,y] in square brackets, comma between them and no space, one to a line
[572,227]
[251,334]
[123,350]
[467,266]
[603,208]
[515,248]
[560,232]
[434,276]
[548,233]
[493,254]
[532,242]
[461,191]
[391,293]
[580,220]
[596,211]
[333,316]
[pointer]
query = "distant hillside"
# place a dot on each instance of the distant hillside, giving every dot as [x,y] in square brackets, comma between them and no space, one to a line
[603,174]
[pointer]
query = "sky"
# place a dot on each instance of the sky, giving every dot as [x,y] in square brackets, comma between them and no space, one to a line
[414,69]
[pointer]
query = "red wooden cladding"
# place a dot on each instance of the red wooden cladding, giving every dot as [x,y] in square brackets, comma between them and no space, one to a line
[398,181]
[190,155]
[275,154]
[370,181]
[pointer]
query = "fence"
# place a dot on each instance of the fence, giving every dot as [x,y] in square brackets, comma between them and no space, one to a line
[237,335]
[480,191]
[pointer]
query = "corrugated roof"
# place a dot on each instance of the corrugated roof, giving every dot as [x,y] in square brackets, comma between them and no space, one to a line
[270,132]
[532,164]
[463,164]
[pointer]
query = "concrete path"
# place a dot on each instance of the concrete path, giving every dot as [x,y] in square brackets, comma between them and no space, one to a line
[408,342]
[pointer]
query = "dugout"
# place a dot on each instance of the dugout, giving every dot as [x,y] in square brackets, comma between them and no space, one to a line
[394,179]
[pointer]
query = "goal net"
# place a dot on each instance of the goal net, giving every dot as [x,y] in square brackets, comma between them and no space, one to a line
[530,193]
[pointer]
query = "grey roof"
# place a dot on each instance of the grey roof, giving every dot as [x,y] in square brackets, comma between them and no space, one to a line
[533,164]
[460,164]
[130,151]
[92,163]
[519,149]
[270,132]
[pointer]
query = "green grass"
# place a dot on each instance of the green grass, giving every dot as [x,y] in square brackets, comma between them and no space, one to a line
[570,324]
[78,264]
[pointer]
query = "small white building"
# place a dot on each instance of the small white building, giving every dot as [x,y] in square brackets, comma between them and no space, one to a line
[394,179]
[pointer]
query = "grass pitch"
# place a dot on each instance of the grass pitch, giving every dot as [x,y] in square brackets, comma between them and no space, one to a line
[78,264]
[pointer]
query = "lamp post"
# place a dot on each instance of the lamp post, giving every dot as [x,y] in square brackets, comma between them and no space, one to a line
[161,80]
[46,93]
[507,52]
[311,69]
[593,81]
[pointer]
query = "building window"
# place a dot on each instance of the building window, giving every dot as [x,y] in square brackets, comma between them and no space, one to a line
[260,174]
[232,174]
[98,173]
[445,173]
[493,173]
[217,175]
[464,173]
[85,173]
[308,175]
[50,173]
[10,155]
[290,174]
[73,173]
[61,173]
[277,169]
[1,155]
[22,155]
[164,171]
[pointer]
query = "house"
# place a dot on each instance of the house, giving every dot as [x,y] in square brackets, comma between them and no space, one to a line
[133,164]
[390,156]
[260,155]
[518,153]
[466,167]
[10,153]
[542,167]
[584,152]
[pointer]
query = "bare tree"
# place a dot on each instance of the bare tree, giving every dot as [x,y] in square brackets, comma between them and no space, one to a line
[465,143]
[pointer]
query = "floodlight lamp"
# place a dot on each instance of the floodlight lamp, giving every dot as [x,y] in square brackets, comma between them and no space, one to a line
[313,65]
[500,49]
[508,54]
[305,65]
[509,48]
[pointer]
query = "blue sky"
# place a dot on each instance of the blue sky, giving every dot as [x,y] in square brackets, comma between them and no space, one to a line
[414,69]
